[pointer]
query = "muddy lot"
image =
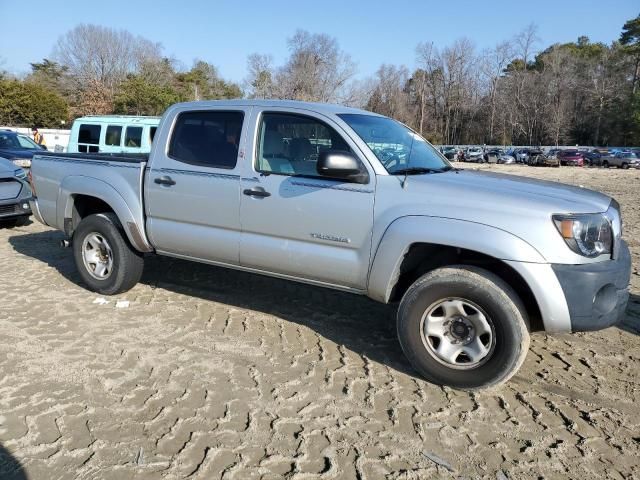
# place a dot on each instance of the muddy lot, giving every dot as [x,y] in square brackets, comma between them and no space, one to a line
[208,373]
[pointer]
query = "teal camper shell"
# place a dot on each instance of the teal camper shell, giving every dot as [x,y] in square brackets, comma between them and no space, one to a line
[112,134]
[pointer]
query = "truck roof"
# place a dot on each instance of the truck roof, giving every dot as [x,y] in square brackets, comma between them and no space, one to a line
[119,119]
[326,108]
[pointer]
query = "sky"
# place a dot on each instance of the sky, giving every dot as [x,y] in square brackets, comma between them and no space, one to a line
[372,32]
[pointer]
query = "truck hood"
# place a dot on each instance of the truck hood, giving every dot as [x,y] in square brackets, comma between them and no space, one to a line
[522,207]
[498,188]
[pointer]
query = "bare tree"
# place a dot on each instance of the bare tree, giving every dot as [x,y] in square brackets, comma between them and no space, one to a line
[427,60]
[389,96]
[492,66]
[357,92]
[259,81]
[525,42]
[459,75]
[602,86]
[317,70]
[559,79]
[101,56]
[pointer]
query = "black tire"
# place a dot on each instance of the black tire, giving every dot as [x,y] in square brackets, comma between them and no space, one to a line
[20,221]
[605,164]
[625,166]
[494,297]
[128,263]
[8,223]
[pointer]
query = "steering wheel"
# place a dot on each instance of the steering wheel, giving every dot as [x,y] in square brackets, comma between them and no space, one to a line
[389,158]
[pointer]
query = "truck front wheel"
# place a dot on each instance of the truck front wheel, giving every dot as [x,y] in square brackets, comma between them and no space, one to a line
[106,261]
[463,327]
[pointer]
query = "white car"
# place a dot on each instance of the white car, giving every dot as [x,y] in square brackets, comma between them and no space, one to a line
[474,154]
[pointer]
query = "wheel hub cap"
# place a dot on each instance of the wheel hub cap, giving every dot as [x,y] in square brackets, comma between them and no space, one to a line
[97,256]
[457,333]
[460,330]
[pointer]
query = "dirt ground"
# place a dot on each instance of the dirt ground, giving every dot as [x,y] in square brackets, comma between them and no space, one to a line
[209,373]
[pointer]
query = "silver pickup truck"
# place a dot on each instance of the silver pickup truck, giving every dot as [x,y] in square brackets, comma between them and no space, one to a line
[351,200]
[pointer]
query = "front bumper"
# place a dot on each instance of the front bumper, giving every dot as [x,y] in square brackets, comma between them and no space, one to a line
[15,208]
[18,205]
[596,293]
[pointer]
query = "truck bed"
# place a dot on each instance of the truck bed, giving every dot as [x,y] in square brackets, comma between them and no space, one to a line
[114,178]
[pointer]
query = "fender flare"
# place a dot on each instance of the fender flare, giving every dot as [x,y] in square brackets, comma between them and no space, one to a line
[406,231]
[82,185]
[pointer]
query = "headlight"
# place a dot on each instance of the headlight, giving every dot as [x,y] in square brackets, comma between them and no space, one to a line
[589,235]
[20,173]
[22,162]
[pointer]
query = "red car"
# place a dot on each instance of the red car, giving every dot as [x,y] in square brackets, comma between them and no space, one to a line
[571,157]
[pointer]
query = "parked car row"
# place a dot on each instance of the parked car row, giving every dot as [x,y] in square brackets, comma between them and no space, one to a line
[554,157]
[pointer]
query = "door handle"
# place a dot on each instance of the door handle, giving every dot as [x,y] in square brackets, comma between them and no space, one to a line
[165,181]
[256,192]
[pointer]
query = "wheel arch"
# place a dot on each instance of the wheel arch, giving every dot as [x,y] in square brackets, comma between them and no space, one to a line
[400,258]
[80,196]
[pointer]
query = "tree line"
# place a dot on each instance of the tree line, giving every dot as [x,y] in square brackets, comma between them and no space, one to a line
[515,93]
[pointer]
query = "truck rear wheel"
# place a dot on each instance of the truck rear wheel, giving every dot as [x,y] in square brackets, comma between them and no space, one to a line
[106,261]
[463,327]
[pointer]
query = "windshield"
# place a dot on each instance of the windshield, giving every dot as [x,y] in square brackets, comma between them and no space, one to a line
[11,140]
[26,142]
[396,146]
[8,140]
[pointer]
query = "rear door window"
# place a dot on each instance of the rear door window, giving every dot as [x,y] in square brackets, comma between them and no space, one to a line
[113,135]
[209,138]
[89,138]
[133,137]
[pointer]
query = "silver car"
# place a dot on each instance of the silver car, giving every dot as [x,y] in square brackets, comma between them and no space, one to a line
[622,160]
[474,154]
[506,159]
[15,194]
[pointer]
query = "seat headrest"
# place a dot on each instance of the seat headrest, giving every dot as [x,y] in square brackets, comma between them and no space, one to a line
[273,143]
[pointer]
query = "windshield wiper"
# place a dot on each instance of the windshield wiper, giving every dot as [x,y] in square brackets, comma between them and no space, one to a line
[415,171]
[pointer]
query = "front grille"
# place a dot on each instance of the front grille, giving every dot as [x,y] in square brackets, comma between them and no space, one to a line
[9,188]
[9,209]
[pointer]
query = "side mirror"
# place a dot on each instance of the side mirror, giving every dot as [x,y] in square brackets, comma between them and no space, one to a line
[341,165]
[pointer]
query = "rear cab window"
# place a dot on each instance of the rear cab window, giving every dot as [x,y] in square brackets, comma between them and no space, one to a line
[207,138]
